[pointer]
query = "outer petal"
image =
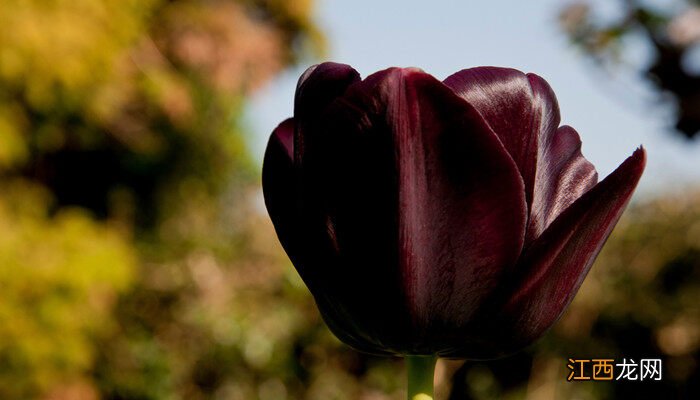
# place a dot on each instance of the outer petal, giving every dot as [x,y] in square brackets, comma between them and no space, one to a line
[522,109]
[280,189]
[553,269]
[422,204]
[278,182]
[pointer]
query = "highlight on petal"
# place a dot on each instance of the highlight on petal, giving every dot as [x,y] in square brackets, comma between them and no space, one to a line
[553,269]
[523,110]
[520,108]
[563,175]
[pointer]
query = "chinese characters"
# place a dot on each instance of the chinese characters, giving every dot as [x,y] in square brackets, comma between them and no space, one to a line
[599,369]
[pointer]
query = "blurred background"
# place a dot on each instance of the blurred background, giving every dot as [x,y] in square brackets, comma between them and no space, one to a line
[136,257]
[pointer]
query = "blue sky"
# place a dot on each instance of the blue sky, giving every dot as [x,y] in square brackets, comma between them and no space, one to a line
[613,114]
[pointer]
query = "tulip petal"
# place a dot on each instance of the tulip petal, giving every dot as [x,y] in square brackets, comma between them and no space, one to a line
[523,110]
[413,185]
[278,180]
[280,193]
[554,268]
[520,113]
[563,176]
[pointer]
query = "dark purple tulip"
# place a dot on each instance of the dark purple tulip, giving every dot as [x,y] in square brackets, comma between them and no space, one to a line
[452,218]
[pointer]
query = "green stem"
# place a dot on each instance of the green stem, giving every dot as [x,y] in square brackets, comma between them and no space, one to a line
[420,377]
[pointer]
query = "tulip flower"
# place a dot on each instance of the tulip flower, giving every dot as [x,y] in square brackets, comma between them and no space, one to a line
[438,219]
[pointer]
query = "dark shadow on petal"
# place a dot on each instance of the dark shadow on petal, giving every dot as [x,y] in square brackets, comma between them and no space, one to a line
[279,189]
[425,204]
[316,89]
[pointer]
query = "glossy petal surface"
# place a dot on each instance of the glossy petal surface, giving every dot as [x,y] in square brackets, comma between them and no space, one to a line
[523,110]
[563,175]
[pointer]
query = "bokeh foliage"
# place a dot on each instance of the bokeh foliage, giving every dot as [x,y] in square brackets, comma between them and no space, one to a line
[123,165]
[59,278]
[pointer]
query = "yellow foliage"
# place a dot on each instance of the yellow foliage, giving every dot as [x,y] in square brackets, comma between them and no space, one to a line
[13,145]
[73,45]
[129,111]
[59,277]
